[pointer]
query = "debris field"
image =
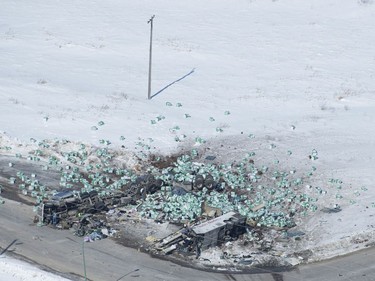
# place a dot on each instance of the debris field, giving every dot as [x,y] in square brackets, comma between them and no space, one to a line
[212,205]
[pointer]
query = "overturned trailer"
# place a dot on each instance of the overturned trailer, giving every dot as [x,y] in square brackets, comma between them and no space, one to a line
[202,236]
[218,230]
[65,203]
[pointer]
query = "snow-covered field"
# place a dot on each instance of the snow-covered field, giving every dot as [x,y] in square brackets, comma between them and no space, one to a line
[12,269]
[296,75]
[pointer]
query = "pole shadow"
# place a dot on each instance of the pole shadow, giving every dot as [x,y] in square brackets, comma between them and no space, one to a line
[7,248]
[170,84]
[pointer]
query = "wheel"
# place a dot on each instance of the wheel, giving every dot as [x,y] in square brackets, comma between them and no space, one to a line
[209,182]
[199,182]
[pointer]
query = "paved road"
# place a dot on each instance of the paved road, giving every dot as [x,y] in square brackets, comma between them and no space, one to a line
[62,251]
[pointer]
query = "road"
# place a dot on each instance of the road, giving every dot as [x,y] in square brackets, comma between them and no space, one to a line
[61,251]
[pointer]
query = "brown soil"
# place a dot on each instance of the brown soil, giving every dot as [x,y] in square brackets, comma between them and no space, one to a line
[12,193]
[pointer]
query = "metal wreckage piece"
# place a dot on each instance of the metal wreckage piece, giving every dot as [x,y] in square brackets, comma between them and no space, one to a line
[203,235]
[84,212]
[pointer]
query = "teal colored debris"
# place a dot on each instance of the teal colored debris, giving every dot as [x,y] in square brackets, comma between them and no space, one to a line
[199,140]
[314,155]
[174,129]
[160,117]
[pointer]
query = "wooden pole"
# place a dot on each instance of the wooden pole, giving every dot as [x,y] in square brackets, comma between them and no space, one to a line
[151,21]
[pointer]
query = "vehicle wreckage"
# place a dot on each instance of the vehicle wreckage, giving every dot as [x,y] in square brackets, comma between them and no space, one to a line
[203,235]
[211,203]
[86,213]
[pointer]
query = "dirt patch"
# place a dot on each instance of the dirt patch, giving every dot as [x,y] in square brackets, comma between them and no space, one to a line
[12,193]
[162,162]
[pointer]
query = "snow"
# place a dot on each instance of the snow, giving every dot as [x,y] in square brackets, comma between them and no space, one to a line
[16,270]
[295,74]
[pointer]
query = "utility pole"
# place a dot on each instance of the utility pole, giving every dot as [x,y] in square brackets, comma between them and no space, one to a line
[84,259]
[151,21]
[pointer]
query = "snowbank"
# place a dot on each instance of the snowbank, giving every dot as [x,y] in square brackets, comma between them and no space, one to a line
[16,270]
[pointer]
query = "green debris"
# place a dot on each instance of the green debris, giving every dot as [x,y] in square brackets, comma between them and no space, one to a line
[160,117]
[106,142]
[180,138]
[240,190]
[265,194]
[199,140]
[43,144]
[314,155]
[174,129]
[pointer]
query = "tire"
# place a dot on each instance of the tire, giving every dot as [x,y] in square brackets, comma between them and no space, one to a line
[199,182]
[209,182]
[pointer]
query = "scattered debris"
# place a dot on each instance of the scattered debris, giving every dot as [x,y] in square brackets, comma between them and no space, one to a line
[335,209]
[210,157]
[218,204]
